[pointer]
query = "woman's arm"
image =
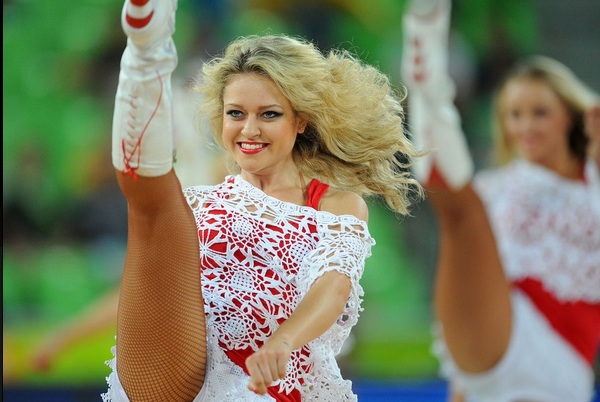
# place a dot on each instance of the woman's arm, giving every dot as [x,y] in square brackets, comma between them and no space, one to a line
[315,314]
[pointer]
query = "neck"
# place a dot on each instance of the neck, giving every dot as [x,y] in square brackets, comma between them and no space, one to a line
[570,168]
[289,186]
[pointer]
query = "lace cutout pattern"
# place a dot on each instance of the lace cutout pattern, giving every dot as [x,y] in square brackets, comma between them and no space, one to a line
[225,381]
[546,227]
[115,392]
[114,386]
[259,257]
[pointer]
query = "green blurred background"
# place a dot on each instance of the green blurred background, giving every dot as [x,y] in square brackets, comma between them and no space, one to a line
[64,219]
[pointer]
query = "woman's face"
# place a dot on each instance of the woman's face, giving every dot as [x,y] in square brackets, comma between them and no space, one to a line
[536,121]
[259,124]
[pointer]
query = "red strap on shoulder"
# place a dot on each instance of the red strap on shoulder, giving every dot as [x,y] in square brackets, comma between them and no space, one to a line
[316,189]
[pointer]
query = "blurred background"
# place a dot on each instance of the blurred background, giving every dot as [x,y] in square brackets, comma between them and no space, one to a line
[64,218]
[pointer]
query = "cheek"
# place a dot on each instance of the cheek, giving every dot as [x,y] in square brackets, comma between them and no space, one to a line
[228,135]
[557,130]
[511,128]
[229,129]
[563,127]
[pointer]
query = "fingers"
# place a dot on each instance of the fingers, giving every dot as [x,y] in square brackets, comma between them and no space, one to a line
[267,366]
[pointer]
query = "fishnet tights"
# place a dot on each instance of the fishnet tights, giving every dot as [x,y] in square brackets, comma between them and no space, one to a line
[161,334]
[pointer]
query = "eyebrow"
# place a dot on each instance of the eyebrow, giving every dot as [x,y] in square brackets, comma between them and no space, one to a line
[261,107]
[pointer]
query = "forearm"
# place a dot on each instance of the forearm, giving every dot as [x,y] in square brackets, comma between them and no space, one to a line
[317,311]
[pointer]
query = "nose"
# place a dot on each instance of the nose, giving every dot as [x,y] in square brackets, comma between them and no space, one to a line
[250,128]
[527,124]
[519,124]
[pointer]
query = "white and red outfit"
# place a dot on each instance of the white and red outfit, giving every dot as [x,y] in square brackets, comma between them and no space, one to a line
[259,257]
[547,230]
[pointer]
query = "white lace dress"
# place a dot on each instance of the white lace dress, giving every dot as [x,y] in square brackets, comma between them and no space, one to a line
[548,232]
[259,257]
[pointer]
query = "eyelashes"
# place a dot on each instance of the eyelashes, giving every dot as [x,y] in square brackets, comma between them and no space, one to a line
[267,115]
[234,113]
[270,114]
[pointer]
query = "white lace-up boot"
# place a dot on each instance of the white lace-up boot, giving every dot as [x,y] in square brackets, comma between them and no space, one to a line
[434,120]
[143,142]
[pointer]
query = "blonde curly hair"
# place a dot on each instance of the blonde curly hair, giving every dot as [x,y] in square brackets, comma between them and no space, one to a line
[354,139]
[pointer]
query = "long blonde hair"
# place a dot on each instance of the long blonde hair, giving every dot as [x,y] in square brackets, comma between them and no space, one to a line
[354,139]
[575,95]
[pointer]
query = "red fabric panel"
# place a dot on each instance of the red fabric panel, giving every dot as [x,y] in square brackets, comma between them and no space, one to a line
[578,322]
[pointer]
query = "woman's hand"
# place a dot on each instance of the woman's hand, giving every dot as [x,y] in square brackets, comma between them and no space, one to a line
[268,364]
[592,130]
[316,313]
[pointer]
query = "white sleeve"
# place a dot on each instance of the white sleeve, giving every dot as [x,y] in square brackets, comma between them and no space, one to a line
[344,245]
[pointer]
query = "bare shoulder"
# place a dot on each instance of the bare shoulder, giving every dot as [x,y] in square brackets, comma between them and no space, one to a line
[340,202]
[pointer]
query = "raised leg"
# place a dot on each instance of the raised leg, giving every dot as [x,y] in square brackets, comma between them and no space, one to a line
[472,294]
[161,334]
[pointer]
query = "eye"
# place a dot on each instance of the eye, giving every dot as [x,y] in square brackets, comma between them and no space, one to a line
[234,113]
[270,114]
[513,114]
[541,112]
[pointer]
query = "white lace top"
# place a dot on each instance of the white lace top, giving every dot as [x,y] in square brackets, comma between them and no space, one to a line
[259,257]
[547,227]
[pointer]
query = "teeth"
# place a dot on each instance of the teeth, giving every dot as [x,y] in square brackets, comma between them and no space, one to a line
[251,146]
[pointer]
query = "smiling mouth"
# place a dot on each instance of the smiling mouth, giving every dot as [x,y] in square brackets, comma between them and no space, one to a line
[251,147]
